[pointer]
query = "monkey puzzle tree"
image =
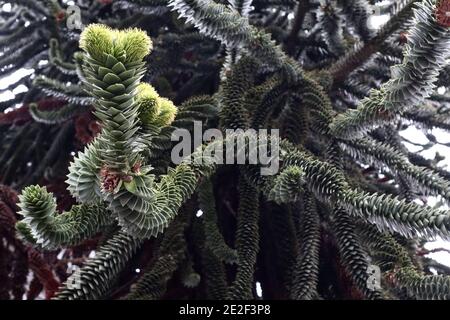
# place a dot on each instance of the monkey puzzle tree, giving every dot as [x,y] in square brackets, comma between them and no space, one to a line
[88,146]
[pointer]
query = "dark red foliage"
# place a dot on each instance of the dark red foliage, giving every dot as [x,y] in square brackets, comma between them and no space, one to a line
[17,116]
[50,104]
[60,16]
[86,127]
[20,116]
[58,187]
[443,13]
[43,272]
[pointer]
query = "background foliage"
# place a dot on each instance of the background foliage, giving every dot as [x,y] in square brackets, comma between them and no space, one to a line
[349,194]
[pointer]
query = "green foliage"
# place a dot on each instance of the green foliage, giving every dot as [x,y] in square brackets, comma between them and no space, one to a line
[226,25]
[330,22]
[214,276]
[399,267]
[83,181]
[321,78]
[69,92]
[247,242]
[329,184]
[287,186]
[149,103]
[113,69]
[352,255]
[171,253]
[60,115]
[412,81]
[305,273]
[113,74]
[378,153]
[56,58]
[97,276]
[401,13]
[358,12]
[238,82]
[50,230]
[214,241]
